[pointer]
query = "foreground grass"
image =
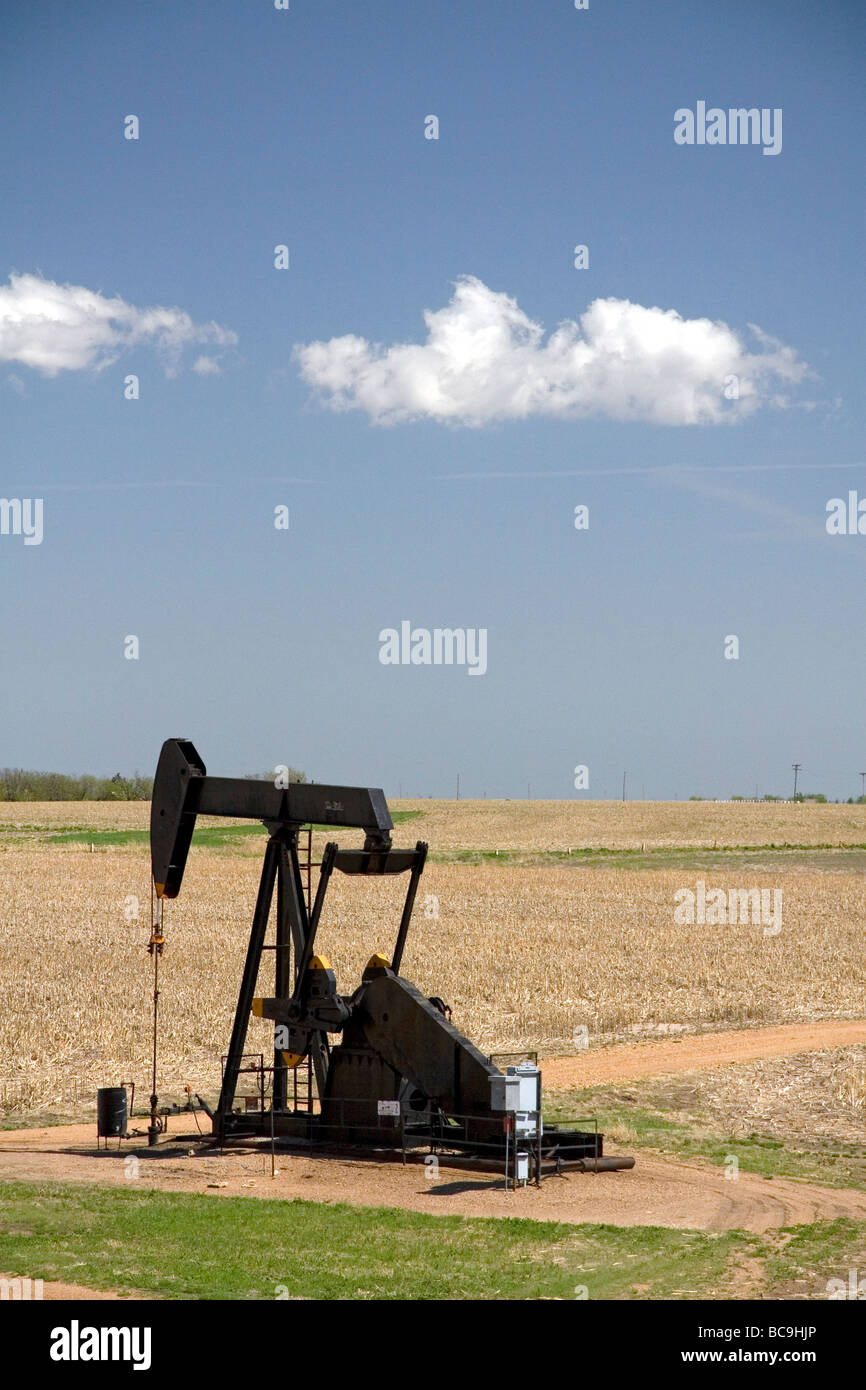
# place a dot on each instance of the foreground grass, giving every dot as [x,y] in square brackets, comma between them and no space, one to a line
[805,1259]
[184,1246]
[196,1247]
[645,1122]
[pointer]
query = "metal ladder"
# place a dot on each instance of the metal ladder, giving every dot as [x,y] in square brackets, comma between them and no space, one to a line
[303,1093]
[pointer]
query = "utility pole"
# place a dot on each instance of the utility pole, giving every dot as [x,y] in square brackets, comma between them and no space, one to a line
[623,786]
[458,786]
[863,783]
[797,768]
[529,791]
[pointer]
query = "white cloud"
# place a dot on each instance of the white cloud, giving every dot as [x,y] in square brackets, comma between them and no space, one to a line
[485,360]
[206,366]
[55,328]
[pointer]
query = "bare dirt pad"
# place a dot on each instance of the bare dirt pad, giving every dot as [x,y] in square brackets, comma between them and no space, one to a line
[658,1192]
[707,1051]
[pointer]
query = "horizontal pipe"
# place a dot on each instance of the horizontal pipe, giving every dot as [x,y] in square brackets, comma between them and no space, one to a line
[597,1165]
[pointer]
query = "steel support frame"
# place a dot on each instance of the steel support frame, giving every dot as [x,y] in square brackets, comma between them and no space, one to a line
[294,942]
[281,869]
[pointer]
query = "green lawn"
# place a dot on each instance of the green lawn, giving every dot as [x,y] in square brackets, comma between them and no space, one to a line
[198,1247]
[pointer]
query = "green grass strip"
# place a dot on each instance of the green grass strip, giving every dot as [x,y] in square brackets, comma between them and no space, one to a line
[648,1125]
[190,1246]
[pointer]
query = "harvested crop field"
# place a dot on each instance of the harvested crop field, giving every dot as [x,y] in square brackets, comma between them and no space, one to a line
[539,825]
[552,956]
[692,1046]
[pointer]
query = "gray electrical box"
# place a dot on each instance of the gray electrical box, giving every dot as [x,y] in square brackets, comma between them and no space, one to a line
[504,1092]
[529,1078]
[518,1093]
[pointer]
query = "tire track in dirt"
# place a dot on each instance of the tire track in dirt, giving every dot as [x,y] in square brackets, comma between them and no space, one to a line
[657,1192]
[702,1052]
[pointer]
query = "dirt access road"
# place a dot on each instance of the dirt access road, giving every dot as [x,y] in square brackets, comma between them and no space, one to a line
[658,1191]
[702,1052]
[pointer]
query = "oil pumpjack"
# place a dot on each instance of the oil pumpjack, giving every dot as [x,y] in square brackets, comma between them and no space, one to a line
[399,1074]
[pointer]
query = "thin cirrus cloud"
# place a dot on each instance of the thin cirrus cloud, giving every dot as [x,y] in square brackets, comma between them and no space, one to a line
[485,360]
[65,328]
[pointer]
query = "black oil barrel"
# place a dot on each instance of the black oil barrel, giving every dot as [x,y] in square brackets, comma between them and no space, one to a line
[111,1111]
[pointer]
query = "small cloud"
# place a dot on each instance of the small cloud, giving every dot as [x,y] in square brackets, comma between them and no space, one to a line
[54,328]
[485,360]
[15,383]
[206,366]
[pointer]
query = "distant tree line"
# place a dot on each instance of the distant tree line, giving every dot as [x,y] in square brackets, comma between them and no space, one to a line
[18,784]
[801,796]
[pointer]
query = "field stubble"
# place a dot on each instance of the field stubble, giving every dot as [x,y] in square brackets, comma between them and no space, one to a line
[527,957]
[515,825]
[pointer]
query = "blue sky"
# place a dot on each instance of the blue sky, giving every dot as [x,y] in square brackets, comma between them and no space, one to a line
[307,128]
